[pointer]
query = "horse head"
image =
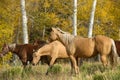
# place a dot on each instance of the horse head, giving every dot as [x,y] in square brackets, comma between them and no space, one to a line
[1,55]
[7,48]
[36,58]
[55,32]
[58,34]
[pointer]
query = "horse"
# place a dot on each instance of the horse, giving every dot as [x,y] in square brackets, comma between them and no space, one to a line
[86,47]
[23,51]
[54,50]
[117,44]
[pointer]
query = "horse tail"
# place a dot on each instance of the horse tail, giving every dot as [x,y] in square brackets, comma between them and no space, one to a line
[114,54]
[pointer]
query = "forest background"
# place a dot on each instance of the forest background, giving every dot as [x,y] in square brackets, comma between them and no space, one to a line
[43,14]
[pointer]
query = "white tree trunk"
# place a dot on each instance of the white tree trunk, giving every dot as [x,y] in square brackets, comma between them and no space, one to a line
[75,18]
[24,22]
[92,19]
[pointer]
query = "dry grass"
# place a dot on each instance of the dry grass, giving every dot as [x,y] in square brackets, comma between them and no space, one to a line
[88,71]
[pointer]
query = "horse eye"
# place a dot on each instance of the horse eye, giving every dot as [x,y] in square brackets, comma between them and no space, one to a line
[53,31]
[35,55]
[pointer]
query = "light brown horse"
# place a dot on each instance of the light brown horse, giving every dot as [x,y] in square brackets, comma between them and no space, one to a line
[54,49]
[78,46]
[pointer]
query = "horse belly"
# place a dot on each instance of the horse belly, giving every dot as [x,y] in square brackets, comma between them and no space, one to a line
[84,53]
[86,50]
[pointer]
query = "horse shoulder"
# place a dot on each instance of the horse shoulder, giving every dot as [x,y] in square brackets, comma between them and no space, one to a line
[54,48]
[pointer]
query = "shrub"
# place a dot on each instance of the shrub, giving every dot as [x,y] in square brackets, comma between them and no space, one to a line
[55,69]
[26,72]
[91,68]
[113,75]
[98,77]
[12,73]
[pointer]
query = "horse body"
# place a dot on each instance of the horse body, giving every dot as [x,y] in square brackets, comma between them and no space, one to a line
[86,50]
[86,47]
[23,51]
[54,50]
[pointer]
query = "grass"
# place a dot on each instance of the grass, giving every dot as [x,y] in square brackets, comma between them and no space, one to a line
[88,71]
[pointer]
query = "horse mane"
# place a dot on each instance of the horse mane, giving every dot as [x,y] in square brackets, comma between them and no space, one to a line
[62,31]
[12,46]
[66,37]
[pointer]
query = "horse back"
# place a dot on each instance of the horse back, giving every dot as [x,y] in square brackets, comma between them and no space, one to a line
[54,49]
[62,52]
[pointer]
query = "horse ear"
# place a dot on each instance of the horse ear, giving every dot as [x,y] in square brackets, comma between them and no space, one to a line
[33,50]
[5,44]
[60,30]
[53,29]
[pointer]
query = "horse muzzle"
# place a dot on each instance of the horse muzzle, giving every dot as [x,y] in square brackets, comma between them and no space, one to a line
[33,64]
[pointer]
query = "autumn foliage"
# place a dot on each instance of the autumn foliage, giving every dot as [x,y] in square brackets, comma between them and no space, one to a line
[43,14]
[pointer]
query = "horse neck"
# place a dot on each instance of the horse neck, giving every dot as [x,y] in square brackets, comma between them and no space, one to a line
[66,39]
[37,46]
[44,49]
[17,49]
[42,44]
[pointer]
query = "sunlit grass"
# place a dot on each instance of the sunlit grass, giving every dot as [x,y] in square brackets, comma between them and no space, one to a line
[88,71]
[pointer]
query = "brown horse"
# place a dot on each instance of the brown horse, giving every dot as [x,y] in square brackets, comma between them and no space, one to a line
[86,47]
[24,51]
[54,49]
[117,43]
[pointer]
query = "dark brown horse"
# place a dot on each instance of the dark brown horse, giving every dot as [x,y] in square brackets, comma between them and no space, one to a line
[23,51]
[117,43]
[78,46]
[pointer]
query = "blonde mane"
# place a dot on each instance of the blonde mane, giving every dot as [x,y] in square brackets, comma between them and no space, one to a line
[66,37]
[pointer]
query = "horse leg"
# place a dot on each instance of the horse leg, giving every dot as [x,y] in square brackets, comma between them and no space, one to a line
[74,64]
[24,64]
[79,61]
[51,64]
[112,61]
[72,69]
[104,60]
